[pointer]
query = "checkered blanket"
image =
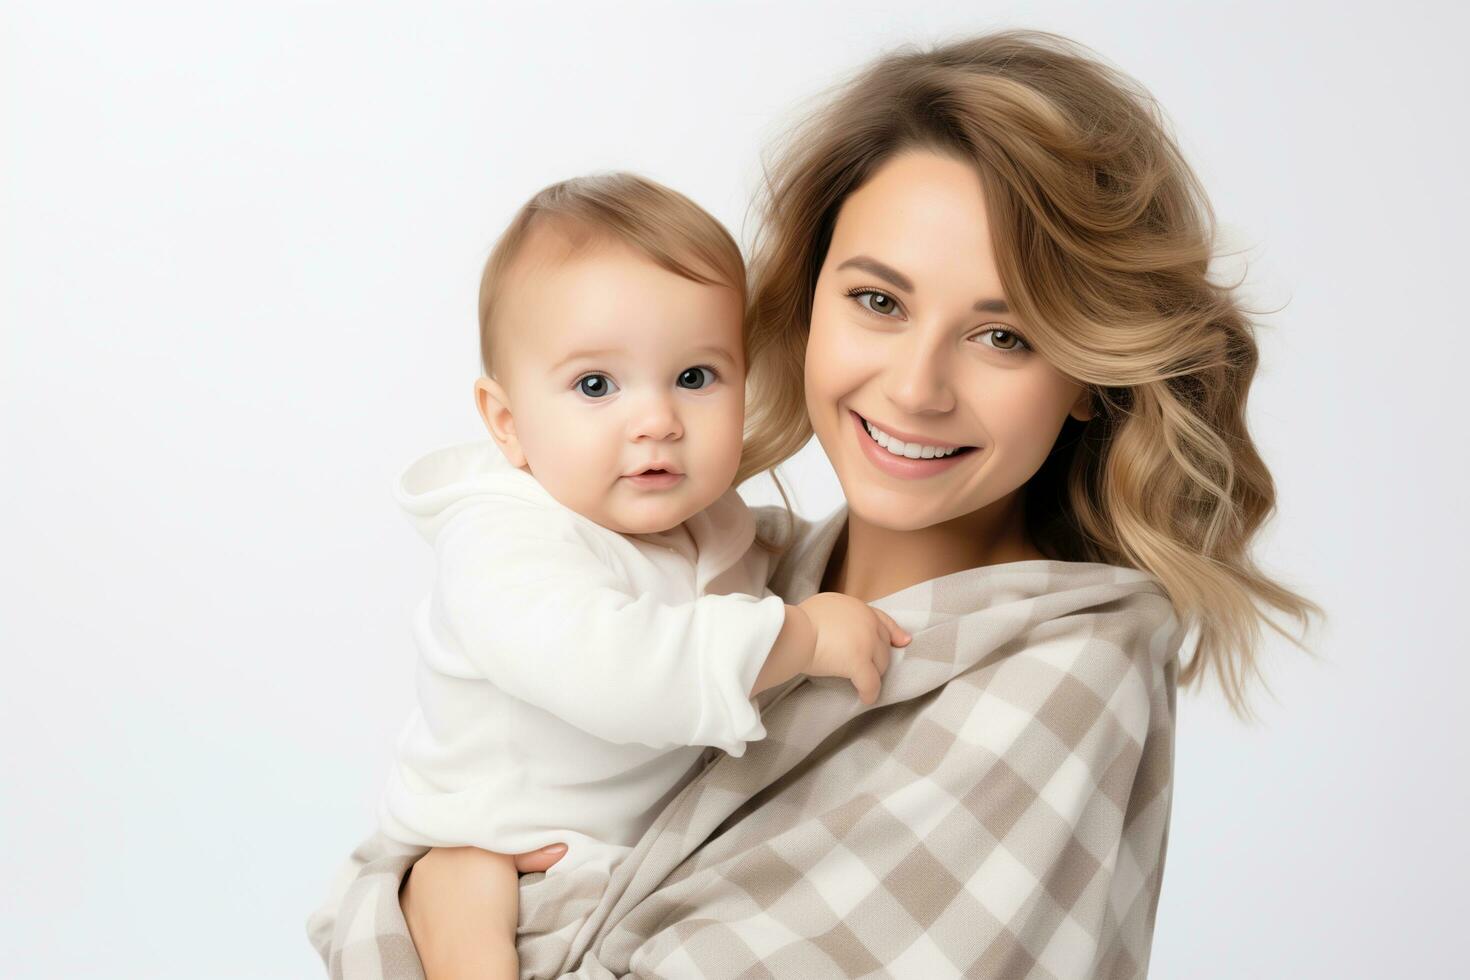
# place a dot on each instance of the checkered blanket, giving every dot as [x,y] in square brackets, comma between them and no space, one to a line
[1001,811]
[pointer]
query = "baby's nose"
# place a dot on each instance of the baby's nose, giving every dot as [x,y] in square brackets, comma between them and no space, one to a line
[656,419]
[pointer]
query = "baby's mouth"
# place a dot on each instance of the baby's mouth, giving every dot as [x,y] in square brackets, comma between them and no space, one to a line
[657,470]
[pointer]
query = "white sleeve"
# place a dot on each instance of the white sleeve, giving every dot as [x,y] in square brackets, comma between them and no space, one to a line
[535,608]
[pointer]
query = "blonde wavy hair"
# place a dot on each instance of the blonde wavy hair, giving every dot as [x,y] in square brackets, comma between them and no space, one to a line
[1103,236]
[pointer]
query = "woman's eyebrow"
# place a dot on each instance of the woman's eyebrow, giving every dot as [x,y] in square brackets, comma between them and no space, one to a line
[893,276]
[869,264]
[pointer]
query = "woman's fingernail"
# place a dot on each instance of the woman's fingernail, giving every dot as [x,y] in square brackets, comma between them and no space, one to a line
[553,848]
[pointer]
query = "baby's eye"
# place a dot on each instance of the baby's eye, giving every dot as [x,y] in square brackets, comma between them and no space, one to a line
[596,385]
[691,378]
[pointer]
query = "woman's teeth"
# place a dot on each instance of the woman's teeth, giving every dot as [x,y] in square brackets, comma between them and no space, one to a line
[911,450]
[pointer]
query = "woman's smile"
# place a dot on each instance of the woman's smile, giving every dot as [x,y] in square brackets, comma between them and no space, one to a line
[894,459]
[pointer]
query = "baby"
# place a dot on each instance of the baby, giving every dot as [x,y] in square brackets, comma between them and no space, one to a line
[600,612]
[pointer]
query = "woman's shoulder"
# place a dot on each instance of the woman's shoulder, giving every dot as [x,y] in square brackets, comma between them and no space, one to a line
[779,525]
[1101,633]
[1113,654]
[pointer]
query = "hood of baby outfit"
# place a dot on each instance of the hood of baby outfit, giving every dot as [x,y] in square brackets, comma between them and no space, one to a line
[439,484]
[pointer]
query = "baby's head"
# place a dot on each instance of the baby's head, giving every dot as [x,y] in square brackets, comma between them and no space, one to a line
[612,341]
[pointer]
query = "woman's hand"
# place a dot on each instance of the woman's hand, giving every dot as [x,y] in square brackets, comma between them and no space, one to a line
[448,901]
[540,860]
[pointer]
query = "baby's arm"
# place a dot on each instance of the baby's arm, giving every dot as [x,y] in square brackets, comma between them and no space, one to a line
[526,596]
[538,611]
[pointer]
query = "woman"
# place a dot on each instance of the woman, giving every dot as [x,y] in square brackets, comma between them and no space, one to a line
[981,283]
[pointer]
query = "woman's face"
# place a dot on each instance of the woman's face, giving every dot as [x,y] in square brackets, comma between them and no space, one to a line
[911,340]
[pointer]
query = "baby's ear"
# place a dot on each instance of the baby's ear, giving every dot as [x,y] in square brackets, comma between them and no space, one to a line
[494,406]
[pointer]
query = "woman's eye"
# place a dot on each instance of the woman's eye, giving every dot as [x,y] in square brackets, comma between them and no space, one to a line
[874,301]
[596,385]
[694,378]
[1010,341]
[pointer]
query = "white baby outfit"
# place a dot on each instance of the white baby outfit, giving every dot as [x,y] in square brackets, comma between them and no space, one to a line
[569,676]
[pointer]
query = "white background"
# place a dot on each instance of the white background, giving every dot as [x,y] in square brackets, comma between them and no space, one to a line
[241,248]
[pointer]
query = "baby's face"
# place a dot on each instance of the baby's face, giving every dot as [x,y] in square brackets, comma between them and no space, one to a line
[607,365]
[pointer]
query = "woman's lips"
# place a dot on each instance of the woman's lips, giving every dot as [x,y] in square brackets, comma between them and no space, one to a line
[902,466]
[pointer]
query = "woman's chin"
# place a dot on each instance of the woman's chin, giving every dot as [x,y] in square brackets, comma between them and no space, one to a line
[893,510]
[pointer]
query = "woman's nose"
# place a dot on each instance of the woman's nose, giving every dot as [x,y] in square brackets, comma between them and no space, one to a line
[654,418]
[916,378]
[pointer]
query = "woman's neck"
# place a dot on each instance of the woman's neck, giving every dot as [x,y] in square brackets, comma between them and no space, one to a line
[869,561]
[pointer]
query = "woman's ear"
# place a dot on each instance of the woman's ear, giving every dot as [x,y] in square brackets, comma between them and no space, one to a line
[494,406]
[1082,407]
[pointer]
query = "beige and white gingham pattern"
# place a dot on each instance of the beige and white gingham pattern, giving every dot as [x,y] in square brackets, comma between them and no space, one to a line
[1002,811]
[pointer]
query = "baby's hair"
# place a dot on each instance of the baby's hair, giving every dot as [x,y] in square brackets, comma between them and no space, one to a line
[623,207]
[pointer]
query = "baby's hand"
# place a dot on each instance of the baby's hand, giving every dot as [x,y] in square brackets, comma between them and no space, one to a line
[852,641]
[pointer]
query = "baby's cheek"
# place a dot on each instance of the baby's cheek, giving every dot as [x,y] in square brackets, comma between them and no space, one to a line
[731,438]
